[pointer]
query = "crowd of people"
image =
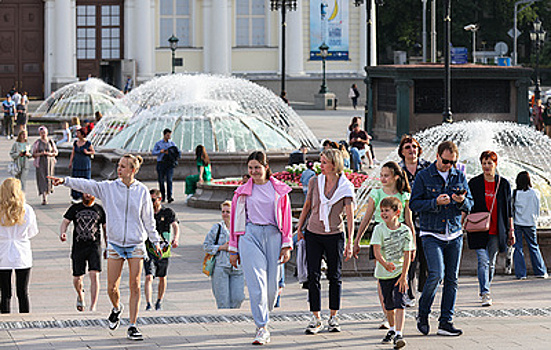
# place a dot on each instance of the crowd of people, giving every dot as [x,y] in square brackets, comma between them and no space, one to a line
[416,221]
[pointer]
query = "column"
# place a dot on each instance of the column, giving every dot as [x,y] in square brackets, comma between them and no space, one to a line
[129,38]
[403,89]
[49,41]
[64,27]
[373,34]
[220,48]
[207,9]
[295,48]
[363,39]
[145,46]
[523,106]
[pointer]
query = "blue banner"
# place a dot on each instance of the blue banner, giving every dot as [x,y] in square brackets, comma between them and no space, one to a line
[329,25]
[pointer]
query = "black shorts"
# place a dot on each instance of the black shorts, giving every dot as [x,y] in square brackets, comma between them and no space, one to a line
[161,265]
[393,298]
[81,255]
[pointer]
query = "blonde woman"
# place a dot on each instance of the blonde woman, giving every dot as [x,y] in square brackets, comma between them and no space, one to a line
[130,222]
[17,227]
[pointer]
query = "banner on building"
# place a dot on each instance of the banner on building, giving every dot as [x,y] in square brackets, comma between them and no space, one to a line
[329,25]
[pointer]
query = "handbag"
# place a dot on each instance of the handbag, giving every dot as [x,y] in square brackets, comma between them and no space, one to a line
[480,222]
[209,260]
[13,169]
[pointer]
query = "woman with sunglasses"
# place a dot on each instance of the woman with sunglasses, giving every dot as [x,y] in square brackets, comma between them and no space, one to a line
[410,151]
[491,193]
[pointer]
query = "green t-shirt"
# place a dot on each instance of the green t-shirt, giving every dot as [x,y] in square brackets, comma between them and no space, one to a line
[393,245]
[207,176]
[378,195]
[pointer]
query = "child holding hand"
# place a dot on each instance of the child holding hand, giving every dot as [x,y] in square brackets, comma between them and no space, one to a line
[393,246]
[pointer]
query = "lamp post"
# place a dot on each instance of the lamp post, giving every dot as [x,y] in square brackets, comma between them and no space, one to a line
[447,114]
[173,41]
[284,6]
[537,35]
[324,51]
[473,28]
[515,30]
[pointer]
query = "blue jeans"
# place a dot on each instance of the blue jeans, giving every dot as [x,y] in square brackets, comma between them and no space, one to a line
[259,250]
[487,264]
[538,265]
[443,259]
[228,287]
[356,158]
[165,173]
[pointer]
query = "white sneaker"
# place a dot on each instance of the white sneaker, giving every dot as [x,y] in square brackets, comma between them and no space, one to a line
[544,276]
[333,324]
[486,299]
[409,302]
[314,326]
[262,337]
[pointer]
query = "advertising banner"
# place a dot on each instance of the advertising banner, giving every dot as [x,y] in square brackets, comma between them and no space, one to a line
[329,25]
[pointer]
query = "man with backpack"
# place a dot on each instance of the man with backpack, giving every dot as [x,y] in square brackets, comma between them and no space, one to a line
[167,159]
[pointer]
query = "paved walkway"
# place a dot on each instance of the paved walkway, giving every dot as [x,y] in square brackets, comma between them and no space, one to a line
[519,319]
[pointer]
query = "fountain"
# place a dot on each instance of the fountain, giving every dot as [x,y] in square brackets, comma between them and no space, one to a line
[519,148]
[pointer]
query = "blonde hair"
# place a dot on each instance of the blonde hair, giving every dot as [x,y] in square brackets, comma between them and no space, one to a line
[134,161]
[225,204]
[335,157]
[75,121]
[12,203]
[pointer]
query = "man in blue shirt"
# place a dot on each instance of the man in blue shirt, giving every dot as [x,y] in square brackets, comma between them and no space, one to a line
[165,165]
[8,106]
[440,195]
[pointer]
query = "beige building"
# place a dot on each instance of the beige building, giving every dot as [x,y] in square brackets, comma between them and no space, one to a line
[49,43]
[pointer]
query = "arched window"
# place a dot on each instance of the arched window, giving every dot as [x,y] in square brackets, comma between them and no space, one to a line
[250,23]
[175,18]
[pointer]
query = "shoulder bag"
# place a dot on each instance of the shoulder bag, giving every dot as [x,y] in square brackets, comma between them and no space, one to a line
[209,260]
[480,222]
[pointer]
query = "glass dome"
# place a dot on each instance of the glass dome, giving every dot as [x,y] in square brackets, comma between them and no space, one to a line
[82,100]
[219,126]
[201,98]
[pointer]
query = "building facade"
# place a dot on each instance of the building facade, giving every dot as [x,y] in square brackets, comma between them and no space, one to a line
[45,44]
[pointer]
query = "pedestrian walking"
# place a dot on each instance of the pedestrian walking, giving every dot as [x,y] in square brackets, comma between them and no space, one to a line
[88,220]
[261,237]
[526,209]
[80,161]
[228,283]
[330,195]
[440,195]
[546,118]
[130,220]
[8,107]
[491,194]
[167,159]
[20,153]
[169,232]
[537,116]
[354,94]
[410,151]
[393,246]
[44,152]
[17,227]
[204,171]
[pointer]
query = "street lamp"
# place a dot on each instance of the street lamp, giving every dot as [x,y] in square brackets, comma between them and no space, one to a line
[473,28]
[173,41]
[537,35]
[447,114]
[284,6]
[515,29]
[324,51]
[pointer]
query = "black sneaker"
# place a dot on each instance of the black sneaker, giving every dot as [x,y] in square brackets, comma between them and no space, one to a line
[115,318]
[148,307]
[170,200]
[158,304]
[388,337]
[133,333]
[423,325]
[448,329]
[399,342]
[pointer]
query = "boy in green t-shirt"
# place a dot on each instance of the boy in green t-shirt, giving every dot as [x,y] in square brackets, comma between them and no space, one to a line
[393,246]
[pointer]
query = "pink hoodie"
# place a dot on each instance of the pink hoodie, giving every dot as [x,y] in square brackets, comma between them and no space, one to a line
[282,209]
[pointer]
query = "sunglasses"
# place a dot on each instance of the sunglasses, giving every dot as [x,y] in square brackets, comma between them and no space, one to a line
[410,147]
[447,161]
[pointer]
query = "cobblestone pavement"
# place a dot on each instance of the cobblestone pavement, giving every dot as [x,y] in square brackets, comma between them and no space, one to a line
[519,319]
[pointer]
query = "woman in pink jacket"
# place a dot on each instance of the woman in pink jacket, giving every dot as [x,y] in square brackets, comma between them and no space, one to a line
[261,237]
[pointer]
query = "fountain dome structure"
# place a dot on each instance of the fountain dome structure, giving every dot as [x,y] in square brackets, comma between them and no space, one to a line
[82,99]
[519,148]
[203,109]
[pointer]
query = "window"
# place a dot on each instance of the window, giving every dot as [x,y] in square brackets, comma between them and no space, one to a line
[86,32]
[110,32]
[99,33]
[175,19]
[250,25]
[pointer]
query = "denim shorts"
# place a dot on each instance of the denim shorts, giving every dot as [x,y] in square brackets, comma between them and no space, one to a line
[117,252]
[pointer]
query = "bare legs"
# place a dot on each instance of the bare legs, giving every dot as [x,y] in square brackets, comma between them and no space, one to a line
[94,288]
[148,285]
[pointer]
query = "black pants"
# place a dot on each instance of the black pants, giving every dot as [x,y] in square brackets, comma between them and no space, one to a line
[333,246]
[22,277]
[422,262]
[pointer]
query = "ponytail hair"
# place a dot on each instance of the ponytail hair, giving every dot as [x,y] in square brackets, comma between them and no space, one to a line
[134,161]
[402,183]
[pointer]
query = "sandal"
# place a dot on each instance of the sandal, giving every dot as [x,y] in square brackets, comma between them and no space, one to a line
[80,304]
